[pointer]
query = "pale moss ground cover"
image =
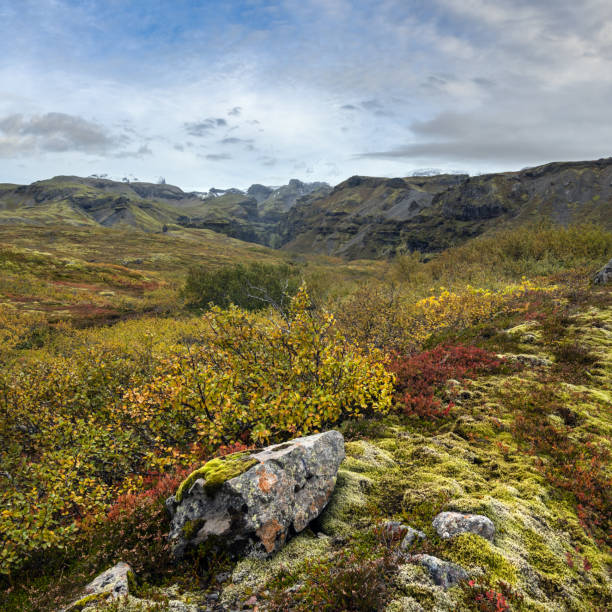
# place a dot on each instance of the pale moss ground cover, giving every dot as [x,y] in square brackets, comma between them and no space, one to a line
[542,550]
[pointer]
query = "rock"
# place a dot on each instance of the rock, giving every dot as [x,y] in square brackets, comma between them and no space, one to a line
[253,501]
[111,584]
[400,531]
[604,275]
[411,535]
[443,573]
[450,524]
[526,360]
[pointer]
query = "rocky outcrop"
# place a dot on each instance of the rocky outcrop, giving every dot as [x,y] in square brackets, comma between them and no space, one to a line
[450,524]
[374,217]
[604,275]
[253,502]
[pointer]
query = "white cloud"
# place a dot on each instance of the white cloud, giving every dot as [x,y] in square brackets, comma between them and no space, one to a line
[476,83]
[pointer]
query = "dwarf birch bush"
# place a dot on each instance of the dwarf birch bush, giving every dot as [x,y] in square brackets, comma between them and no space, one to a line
[77,430]
[260,377]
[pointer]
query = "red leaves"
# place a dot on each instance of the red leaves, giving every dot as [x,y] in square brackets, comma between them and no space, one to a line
[421,377]
[488,599]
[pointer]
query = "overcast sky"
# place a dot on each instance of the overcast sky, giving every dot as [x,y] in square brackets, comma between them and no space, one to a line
[228,93]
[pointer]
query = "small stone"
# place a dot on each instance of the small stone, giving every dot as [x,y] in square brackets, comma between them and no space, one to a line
[222,577]
[443,573]
[111,584]
[394,529]
[526,360]
[411,535]
[450,524]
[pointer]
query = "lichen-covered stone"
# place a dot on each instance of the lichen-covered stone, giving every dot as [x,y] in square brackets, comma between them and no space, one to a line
[111,584]
[536,361]
[443,573]
[283,490]
[404,533]
[604,275]
[450,524]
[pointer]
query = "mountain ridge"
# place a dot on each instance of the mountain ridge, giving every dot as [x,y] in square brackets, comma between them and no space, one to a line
[361,217]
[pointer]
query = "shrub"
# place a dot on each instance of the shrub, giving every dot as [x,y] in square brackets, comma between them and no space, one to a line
[421,378]
[267,378]
[253,286]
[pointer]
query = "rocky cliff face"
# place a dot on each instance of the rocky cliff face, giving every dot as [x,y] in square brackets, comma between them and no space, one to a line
[373,217]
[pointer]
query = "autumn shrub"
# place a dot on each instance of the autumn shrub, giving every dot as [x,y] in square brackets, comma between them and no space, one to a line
[421,378]
[486,598]
[385,316]
[80,428]
[264,377]
[252,286]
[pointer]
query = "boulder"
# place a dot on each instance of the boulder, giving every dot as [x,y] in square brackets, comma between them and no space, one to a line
[443,573]
[111,584]
[604,275]
[254,501]
[450,524]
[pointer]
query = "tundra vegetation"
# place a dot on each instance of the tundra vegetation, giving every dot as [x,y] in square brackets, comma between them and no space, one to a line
[476,381]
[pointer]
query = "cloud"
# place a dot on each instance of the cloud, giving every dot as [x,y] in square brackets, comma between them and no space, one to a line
[202,128]
[234,141]
[54,133]
[218,157]
[475,84]
[142,151]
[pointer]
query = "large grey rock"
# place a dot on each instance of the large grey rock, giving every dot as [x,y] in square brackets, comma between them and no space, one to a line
[604,276]
[288,487]
[450,524]
[111,584]
[443,573]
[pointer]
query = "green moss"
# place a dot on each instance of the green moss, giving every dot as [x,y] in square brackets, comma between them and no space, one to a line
[353,449]
[470,550]
[190,528]
[132,583]
[540,555]
[217,471]
[82,603]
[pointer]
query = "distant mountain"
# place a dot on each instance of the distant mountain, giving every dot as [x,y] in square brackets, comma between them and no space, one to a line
[362,217]
[366,217]
[73,200]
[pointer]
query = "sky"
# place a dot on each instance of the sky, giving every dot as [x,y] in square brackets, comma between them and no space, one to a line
[229,93]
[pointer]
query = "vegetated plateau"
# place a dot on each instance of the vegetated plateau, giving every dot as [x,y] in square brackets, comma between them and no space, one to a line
[448,326]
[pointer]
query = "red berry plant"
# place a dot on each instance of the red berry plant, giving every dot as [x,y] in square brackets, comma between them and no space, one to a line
[421,378]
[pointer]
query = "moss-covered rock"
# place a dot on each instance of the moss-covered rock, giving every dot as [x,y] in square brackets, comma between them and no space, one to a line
[217,471]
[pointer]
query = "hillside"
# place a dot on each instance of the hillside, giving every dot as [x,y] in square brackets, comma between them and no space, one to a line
[491,399]
[362,217]
[151,207]
[373,217]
